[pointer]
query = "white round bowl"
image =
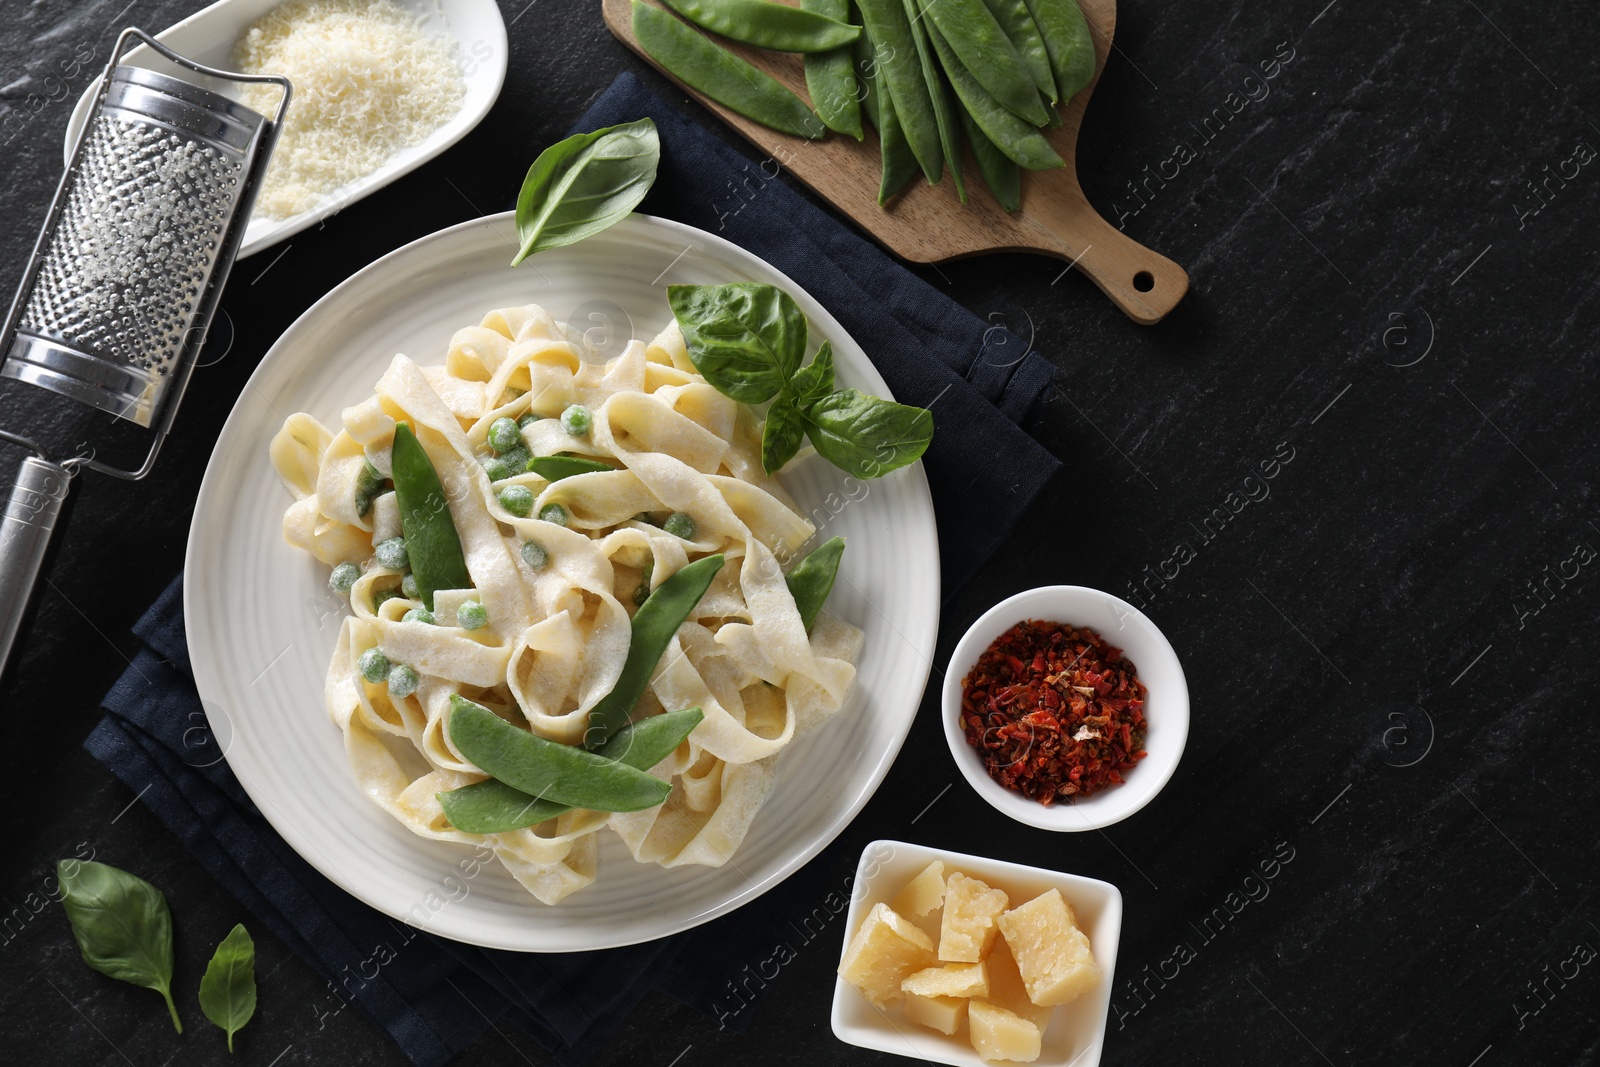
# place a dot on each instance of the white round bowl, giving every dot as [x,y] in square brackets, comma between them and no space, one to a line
[1166,711]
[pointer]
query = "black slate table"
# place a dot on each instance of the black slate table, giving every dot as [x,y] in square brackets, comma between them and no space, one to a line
[1390,644]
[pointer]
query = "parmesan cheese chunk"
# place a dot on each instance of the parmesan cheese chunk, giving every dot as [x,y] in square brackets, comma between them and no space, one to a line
[922,898]
[970,911]
[951,980]
[944,1014]
[998,1034]
[1052,954]
[885,951]
[1006,989]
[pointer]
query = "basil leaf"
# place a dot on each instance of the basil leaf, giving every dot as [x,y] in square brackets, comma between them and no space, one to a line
[784,431]
[121,924]
[813,382]
[228,990]
[580,186]
[865,435]
[745,339]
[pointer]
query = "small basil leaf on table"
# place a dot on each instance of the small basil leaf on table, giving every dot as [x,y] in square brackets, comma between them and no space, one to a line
[746,339]
[122,925]
[492,807]
[865,435]
[811,580]
[784,430]
[654,625]
[548,769]
[228,989]
[700,63]
[768,25]
[555,468]
[582,185]
[815,380]
[432,544]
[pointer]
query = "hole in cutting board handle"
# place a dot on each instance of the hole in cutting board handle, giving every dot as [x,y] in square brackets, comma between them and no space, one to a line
[1144,281]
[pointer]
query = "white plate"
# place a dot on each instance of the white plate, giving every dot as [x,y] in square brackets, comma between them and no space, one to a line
[209,35]
[261,623]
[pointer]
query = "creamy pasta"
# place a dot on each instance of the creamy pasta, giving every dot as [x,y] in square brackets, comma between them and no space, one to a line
[557,634]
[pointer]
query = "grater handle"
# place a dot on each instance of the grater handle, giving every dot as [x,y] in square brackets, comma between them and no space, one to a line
[25,527]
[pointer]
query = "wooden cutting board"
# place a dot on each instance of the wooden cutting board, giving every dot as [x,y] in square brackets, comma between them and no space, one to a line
[927,224]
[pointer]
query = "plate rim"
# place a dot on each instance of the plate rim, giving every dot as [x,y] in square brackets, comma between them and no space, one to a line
[207,682]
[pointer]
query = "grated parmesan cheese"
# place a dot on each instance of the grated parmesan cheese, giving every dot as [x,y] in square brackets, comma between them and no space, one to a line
[368,82]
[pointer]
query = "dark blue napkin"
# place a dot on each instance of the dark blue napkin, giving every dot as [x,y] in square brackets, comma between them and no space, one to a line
[435,997]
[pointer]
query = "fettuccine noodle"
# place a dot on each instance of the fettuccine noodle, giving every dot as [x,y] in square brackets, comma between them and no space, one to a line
[557,636]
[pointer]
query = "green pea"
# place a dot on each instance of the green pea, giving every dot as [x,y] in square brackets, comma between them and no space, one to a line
[680,524]
[504,434]
[382,595]
[641,592]
[555,513]
[392,554]
[653,626]
[549,769]
[811,580]
[1001,174]
[1022,143]
[528,420]
[767,25]
[701,64]
[1068,43]
[497,468]
[831,76]
[1017,22]
[369,484]
[534,555]
[517,499]
[516,459]
[343,577]
[403,680]
[418,615]
[409,588]
[899,67]
[374,665]
[576,420]
[493,807]
[472,615]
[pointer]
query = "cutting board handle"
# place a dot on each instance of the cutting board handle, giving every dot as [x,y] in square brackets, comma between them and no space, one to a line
[1146,285]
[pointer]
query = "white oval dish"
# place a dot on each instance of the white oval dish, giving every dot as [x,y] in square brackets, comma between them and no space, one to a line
[261,622]
[1166,711]
[209,35]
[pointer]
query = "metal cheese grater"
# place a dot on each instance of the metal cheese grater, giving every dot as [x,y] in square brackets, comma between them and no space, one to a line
[114,305]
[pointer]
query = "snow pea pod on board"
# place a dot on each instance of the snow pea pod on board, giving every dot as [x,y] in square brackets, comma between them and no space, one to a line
[432,544]
[898,68]
[864,56]
[831,76]
[700,63]
[1021,143]
[768,25]
[938,92]
[811,580]
[1015,18]
[985,50]
[1066,38]
[1000,174]
[493,807]
[654,624]
[899,162]
[548,769]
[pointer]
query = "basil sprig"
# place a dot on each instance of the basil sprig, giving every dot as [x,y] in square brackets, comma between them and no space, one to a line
[122,925]
[748,340]
[228,990]
[584,184]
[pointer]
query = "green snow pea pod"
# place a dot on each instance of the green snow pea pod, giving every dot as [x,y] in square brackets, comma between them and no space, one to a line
[831,76]
[899,162]
[1021,143]
[938,92]
[1001,174]
[900,70]
[702,64]
[1015,18]
[864,58]
[985,50]
[492,807]
[432,544]
[768,25]
[812,578]
[654,624]
[548,769]
[555,468]
[1066,39]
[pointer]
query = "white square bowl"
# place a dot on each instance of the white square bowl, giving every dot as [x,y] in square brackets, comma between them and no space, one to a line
[1076,1031]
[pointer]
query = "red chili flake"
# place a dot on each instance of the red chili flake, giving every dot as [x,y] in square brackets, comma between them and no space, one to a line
[1054,711]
